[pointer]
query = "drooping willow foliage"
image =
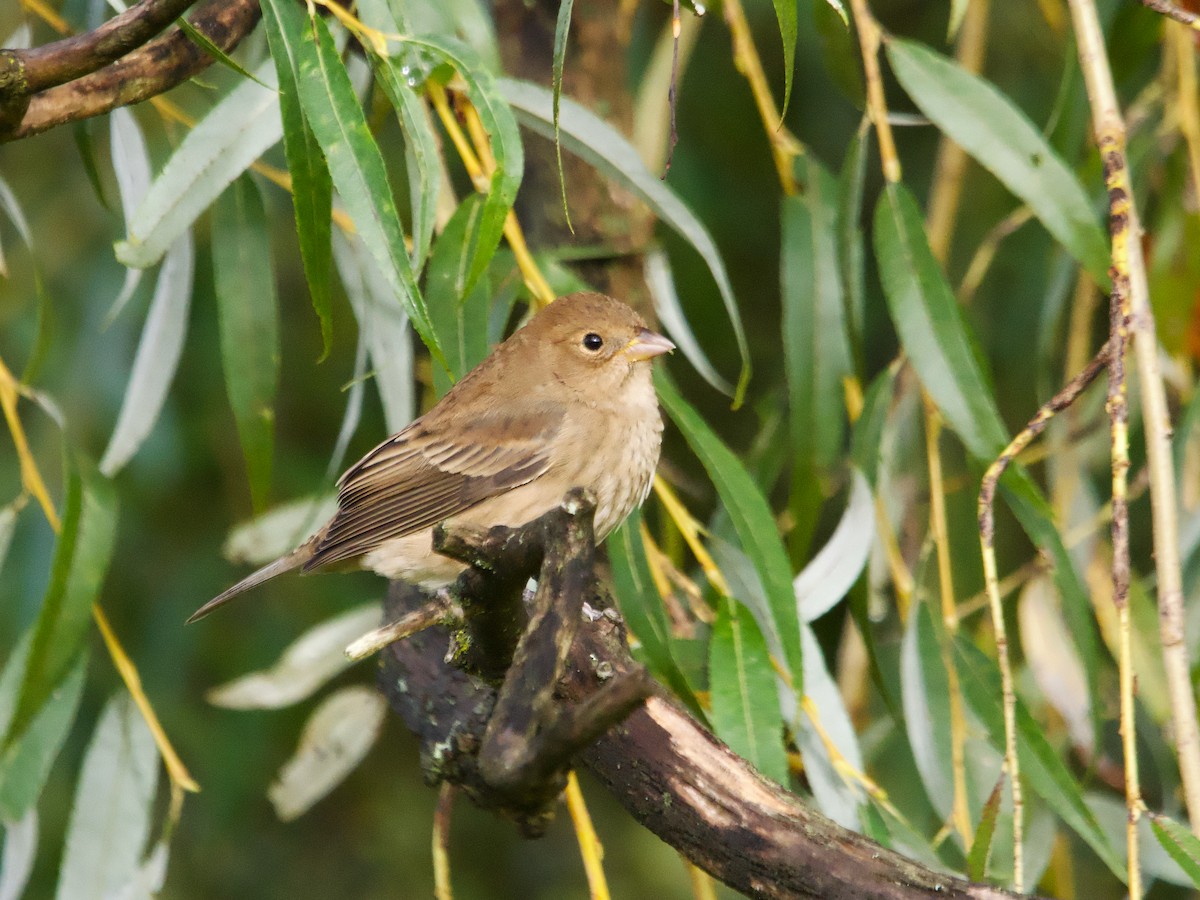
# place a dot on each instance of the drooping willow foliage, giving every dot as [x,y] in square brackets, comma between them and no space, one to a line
[888,233]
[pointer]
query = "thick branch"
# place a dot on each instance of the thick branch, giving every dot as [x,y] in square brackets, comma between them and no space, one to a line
[157,67]
[72,57]
[669,772]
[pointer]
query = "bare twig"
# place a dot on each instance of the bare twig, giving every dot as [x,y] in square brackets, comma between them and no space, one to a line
[987,532]
[1109,127]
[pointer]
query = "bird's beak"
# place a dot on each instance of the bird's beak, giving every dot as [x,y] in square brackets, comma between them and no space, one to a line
[647,344]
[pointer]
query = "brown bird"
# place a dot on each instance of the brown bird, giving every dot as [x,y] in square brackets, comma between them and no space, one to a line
[567,401]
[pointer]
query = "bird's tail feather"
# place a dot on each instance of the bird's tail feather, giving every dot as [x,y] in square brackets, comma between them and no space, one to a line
[286,563]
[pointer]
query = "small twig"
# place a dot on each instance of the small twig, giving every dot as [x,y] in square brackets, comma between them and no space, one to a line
[785,148]
[441,842]
[981,261]
[1171,11]
[869,37]
[1116,177]
[673,89]
[987,531]
[441,610]
[590,848]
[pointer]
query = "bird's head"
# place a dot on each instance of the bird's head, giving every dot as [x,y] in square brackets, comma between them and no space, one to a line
[595,341]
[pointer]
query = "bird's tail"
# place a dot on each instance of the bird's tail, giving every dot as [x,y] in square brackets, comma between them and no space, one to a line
[286,563]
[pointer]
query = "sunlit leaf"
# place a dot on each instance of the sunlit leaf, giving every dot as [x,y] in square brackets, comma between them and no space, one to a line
[989,127]
[638,598]
[752,520]
[599,144]
[111,816]
[131,166]
[20,850]
[867,438]
[25,764]
[815,349]
[850,235]
[384,328]
[497,118]
[1052,659]
[981,846]
[312,188]
[562,28]
[248,313]
[925,693]
[958,11]
[830,574]
[85,544]
[785,14]
[308,663]
[1041,767]
[278,530]
[459,314]
[336,738]
[157,358]
[1180,844]
[420,154]
[674,320]
[745,708]
[236,132]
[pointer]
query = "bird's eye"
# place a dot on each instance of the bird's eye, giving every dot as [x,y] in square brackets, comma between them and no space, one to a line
[593,341]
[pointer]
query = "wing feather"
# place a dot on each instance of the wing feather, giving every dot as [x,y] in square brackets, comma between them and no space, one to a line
[418,478]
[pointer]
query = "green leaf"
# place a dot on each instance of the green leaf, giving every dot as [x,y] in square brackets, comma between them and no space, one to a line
[201,40]
[507,150]
[25,764]
[235,133]
[839,51]
[159,350]
[994,131]
[354,160]
[867,438]
[674,321]
[248,313]
[460,317]
[815,349]
[752,521]
[1041,767]
[422,160]
[930,324]
[745,701]
[958,11]
[633,586]
[785,12]
[85,544]
[562,28]
[599,144]
[851,252]
[312,188]
[925,693]
[1180,844]
[981,846]
[935,338]
[111,816]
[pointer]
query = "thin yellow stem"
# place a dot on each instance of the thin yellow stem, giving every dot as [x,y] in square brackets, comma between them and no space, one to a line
[1180,38]
[690,529]
[589,844]
[441,843]
[176,770]
[701,881]
[47,15]
[31,476]
[785,147]
[869,38]
[951,164]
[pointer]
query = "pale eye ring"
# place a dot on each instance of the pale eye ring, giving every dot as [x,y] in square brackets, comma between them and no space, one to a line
[592,341]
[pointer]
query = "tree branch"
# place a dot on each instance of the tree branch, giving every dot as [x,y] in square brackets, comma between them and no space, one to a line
[158,66]
[670,773]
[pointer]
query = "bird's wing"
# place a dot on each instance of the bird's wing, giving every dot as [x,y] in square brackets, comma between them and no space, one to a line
[424,475]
